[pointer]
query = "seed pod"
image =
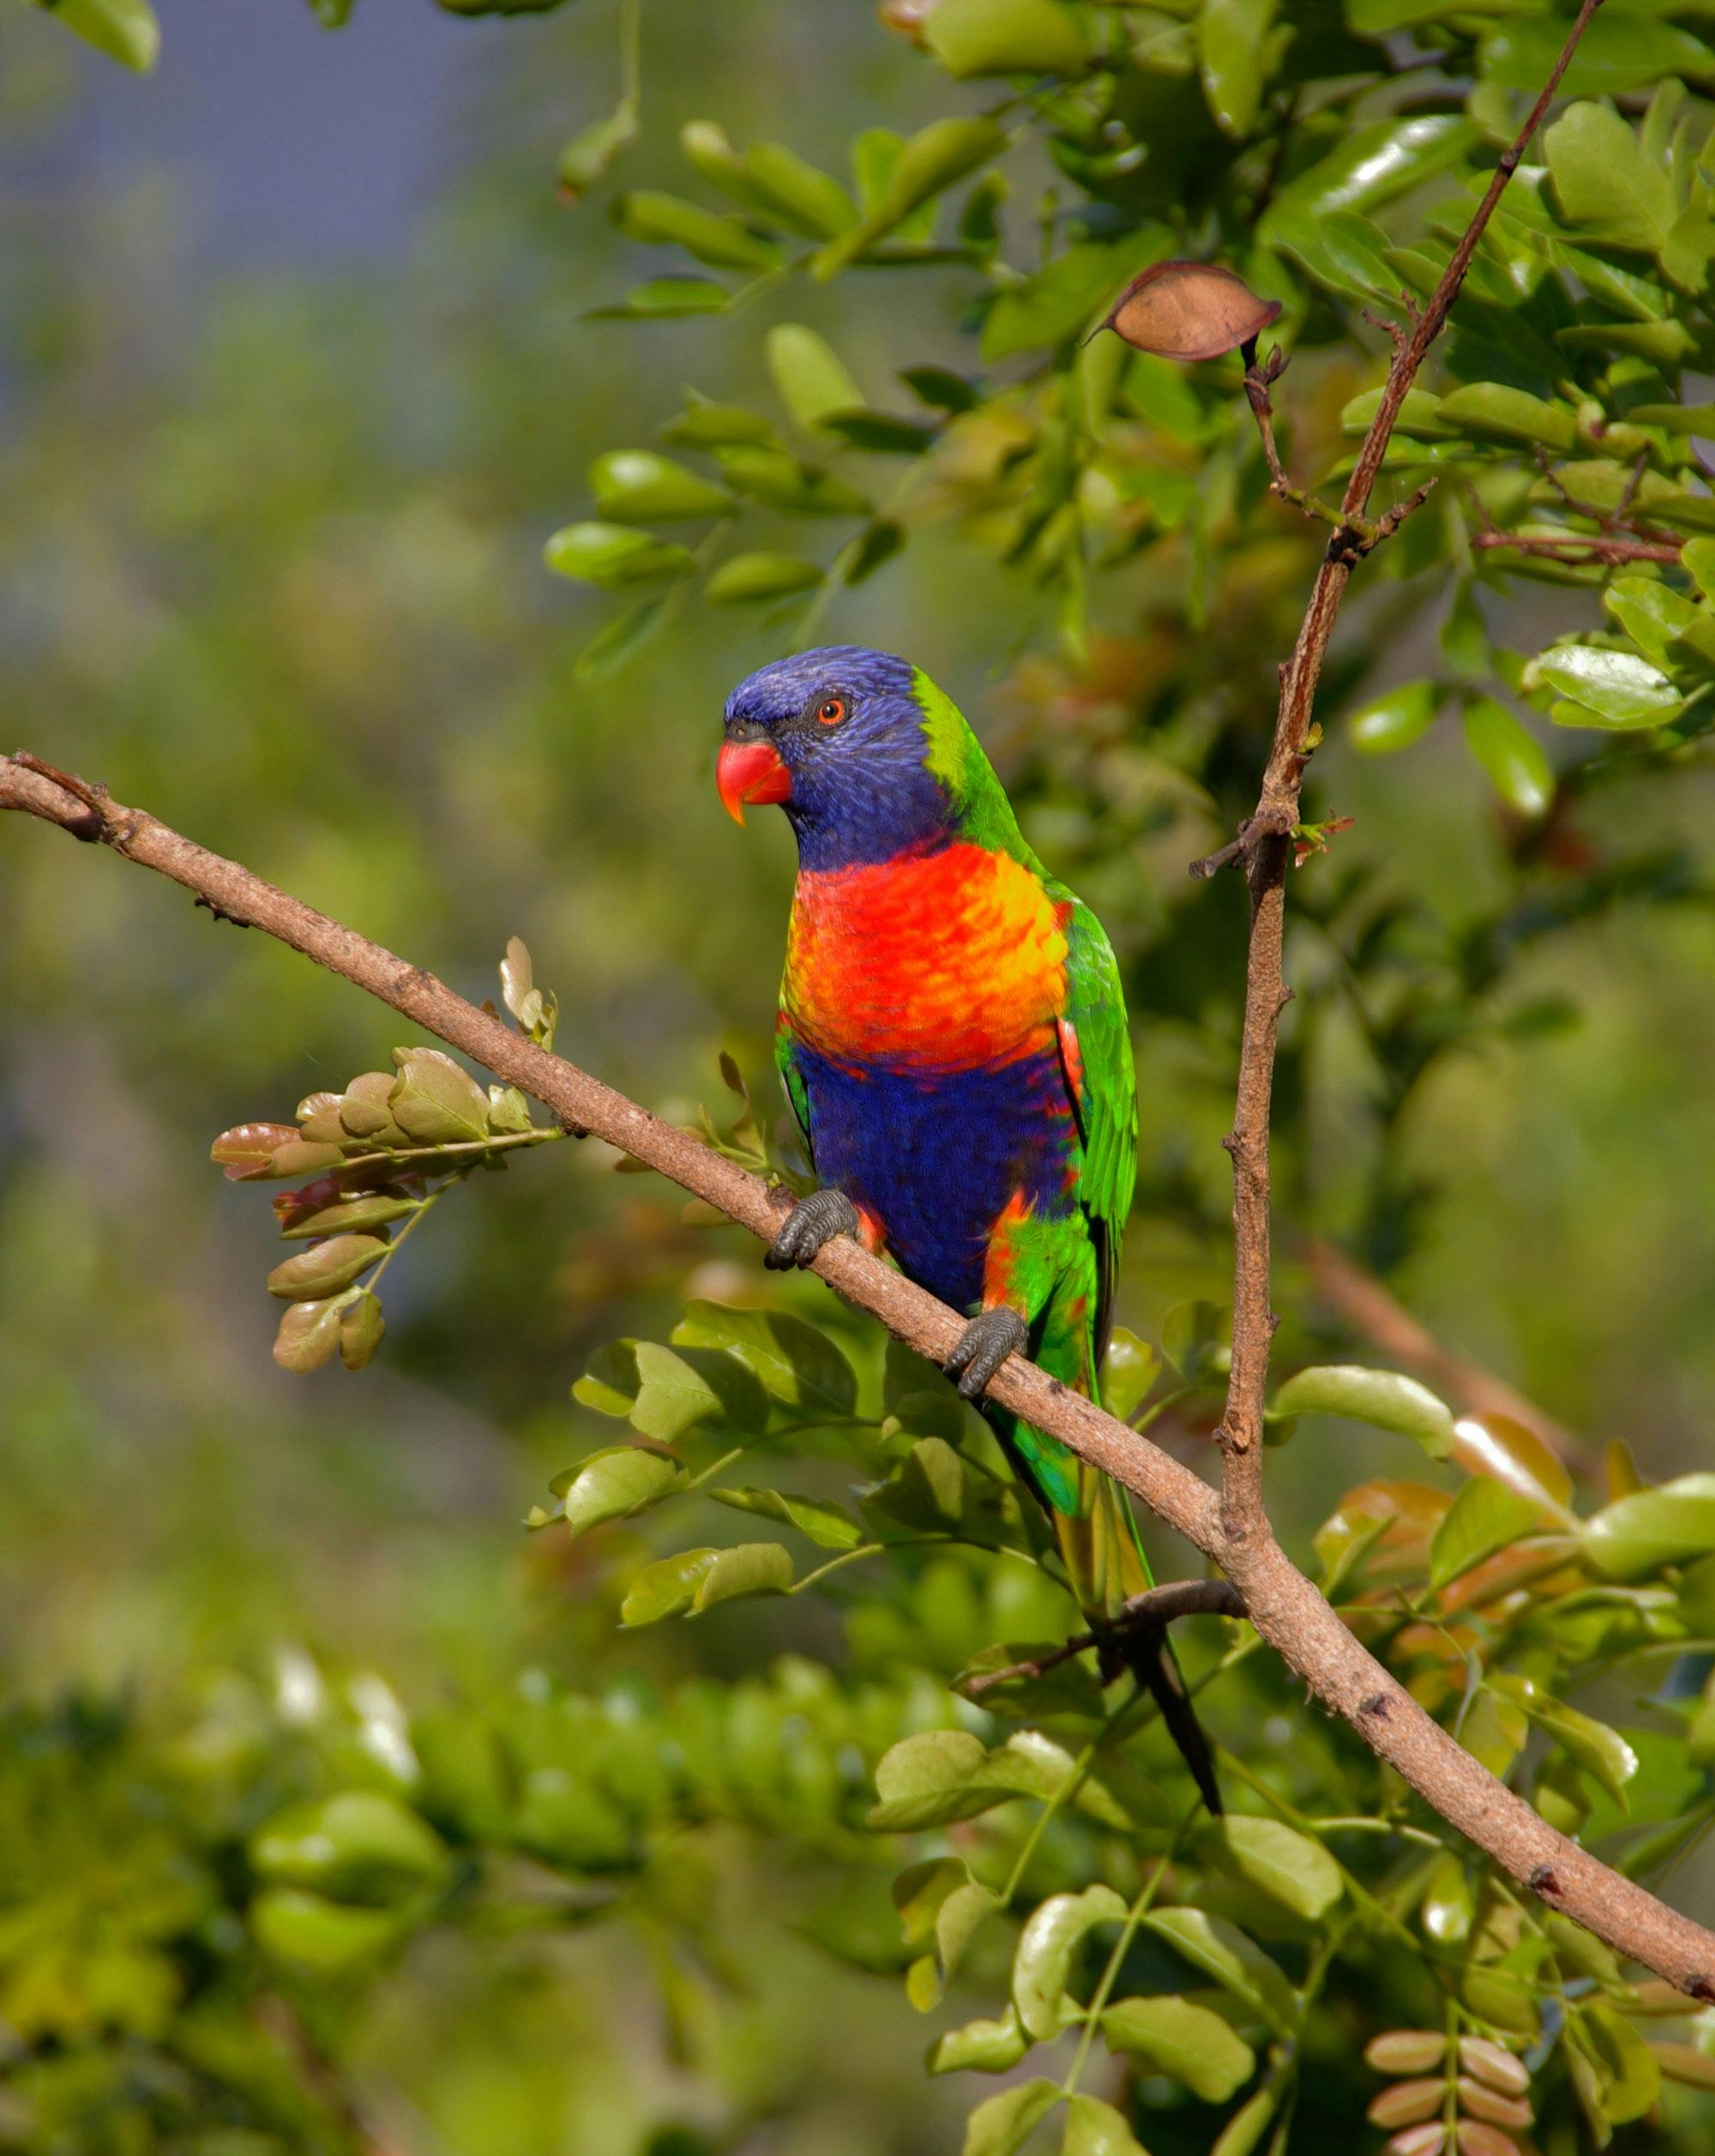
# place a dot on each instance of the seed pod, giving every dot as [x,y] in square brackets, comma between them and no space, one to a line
[1476,2140]
[1490,2103]
[1493,2063]
[1406,2050]
[1418,2140]
[1189,310]
[1406,2102]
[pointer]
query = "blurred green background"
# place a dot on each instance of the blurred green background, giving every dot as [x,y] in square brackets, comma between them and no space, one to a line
[296,375]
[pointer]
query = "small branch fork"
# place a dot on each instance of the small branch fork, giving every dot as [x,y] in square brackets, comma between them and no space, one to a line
[1146,1616]
[1619,537]
[1284,1606]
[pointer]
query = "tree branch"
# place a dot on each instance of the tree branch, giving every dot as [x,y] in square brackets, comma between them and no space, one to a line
[1280,1602]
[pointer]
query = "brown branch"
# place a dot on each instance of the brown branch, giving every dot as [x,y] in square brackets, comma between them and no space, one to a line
[1152,1611]
[1368,1308]
[1603,548]
[1286,1609]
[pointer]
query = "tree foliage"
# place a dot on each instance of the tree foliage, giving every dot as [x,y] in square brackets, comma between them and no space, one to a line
[193,1926]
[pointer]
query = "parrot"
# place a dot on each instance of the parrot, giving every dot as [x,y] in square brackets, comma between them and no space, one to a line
[952,1041]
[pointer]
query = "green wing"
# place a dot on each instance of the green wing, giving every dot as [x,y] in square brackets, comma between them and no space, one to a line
[1104,1092]
[792,1077]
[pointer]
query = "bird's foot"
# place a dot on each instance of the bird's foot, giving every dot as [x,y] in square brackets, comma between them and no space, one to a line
[983,1346]
[812,1221]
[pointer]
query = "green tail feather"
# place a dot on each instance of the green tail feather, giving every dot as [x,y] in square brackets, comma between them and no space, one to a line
[1102,1549]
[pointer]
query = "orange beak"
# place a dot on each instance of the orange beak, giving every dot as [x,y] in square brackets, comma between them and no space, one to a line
[747,771]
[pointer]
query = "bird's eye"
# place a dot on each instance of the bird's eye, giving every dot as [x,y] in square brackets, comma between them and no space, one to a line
[831,710]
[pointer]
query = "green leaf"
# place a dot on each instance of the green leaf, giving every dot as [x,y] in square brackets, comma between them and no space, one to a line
[1615,689]
[751,580]
[1237,1964]
[125,30]
[695,1580]
[640,486]
[586,159]
[785,482]
[1042,1962]
[360,1844]
[1232,54]
[1605,184]
[1372,165]
[665,299]
[612,554]
[1484,1517]
[943,152]
[308,1333]
[1617,53]
[361,1329]
[1002,2125]
[705,425]
[1600,1750]
[434,1101]
[1096,2128]
[882,433]
[980,2047]
[1395,719]
[1168,2034]
[797,1363]
[1266,1853]
[810,376]
[1651,613]
[973,37]
[1064,298]
[1510,754]
[1491,412]
[662,221]
[677,1391]
[1251,2121]
[926,1779]
[1629,2072]
[1340,249]
[325,1268]
[1382,1398]
[1193,1338]
[827,1526]
[873,548]
[941,1775]
[1639,1534]
[801,194]
[323,1938]
[617,1483]
[1131,1369]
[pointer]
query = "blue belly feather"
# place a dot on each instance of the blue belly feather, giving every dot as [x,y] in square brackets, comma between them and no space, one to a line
[936,1156]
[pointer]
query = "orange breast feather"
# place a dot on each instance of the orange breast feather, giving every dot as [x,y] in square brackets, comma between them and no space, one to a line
[944,962]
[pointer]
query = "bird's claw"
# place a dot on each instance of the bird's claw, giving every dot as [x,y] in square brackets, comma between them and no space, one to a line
[812,1221]
[983,1346]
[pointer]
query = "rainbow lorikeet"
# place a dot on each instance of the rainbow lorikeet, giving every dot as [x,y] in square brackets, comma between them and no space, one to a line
[953,1039]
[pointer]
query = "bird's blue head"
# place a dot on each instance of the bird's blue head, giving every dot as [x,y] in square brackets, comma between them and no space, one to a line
[840,739]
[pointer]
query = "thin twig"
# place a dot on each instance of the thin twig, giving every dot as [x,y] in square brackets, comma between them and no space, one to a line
[1154,1610]
[1571,545]
[1286,1609]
